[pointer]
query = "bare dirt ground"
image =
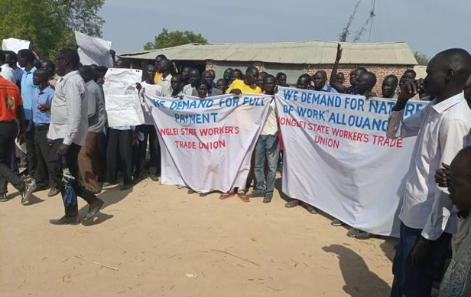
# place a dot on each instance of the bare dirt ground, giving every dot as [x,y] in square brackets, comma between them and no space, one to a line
[157,240]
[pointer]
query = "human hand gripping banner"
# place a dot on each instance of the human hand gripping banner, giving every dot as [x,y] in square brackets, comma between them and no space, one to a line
[207,144]
[338,159]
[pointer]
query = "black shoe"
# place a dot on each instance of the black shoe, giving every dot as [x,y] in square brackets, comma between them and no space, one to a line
[256,194]
[311,209]
[65,221]
[93,212]
[3,198]
[53,192]
[26,193]
[267,198]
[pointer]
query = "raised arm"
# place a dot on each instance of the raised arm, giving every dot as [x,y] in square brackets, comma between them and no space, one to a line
[333,76]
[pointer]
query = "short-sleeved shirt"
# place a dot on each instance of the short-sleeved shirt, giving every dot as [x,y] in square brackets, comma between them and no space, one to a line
[11,99]
[27,91]
[45,96]
[164,82]
[245,89]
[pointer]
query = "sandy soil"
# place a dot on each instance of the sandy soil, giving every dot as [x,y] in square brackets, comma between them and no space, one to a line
[159,241]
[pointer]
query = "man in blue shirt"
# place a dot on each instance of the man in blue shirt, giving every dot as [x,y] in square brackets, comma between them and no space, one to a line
[41,107]
[26,60]
[318,81]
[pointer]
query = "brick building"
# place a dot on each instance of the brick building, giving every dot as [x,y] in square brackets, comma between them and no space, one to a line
[292,58]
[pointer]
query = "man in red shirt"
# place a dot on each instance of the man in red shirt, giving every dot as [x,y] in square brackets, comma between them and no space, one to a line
[11,109]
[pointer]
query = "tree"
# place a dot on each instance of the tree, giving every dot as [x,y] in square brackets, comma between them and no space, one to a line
[421,58]
[82,15]
[49,24]
[175,38]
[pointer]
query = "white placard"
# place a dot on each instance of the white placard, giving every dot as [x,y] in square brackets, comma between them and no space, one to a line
[15,45]
[93,50]
[123,107]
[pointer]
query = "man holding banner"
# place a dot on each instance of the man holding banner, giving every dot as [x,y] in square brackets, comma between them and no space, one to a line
[237,87]
[427,221]
[267,150]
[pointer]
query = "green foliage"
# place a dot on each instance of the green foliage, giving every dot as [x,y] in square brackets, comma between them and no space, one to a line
[421,58]
[49,24]
[175,38]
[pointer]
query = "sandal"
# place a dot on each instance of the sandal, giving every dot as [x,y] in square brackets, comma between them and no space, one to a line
[225,196]
[243,196]
[292,203]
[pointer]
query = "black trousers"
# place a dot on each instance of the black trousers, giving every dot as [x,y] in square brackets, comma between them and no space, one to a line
[119,148]
[8,133]
[42,150]
[31,152]
[72,163]
[150,134]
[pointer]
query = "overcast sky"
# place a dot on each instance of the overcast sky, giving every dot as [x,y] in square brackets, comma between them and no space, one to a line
[428,26]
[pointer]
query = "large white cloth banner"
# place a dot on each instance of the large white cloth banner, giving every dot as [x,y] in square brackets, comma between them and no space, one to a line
[338,159]
[14,44]
[93,50]
[122,103]
[207,143]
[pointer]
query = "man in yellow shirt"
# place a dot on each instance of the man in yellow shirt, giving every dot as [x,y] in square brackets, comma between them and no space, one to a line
[246,86]
[158,74]
[237,87]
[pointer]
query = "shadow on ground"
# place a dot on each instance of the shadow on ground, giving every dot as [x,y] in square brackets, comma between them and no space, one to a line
[359,280]
[111,196]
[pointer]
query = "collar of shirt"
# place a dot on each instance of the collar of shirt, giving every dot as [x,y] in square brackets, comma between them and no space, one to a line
[69,74]
[447,103]
[167,78]
[30,71]
[46,90]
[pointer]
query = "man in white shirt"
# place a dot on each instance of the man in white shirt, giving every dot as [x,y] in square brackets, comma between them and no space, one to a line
[67,134]
[165,66]
[267,149]
[195,78]
[6,71]
[441,128]
[148,130]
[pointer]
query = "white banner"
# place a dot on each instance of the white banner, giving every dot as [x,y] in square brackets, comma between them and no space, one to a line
[207,143]
[15,45]
[123,107]
[93,50]
[338,159]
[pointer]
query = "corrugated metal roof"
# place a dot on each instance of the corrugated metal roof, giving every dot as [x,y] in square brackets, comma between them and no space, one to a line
[306,52]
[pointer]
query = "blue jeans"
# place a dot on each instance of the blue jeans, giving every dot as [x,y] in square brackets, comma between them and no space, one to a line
[266,150]
[410,281]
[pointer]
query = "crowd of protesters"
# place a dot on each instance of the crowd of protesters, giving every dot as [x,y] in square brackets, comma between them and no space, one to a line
[55,111]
